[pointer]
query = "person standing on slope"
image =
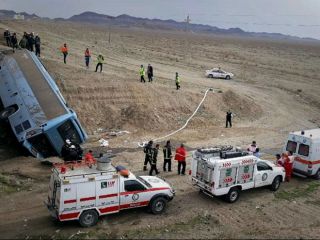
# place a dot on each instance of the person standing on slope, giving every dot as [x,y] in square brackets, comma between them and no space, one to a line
[229,116]
[87,57]
[181,158]
[150,72]
[64,51]
[177,81]
[142,73]
[100,59]
[37,43]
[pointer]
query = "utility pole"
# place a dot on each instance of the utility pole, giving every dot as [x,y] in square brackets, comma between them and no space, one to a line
[187,21]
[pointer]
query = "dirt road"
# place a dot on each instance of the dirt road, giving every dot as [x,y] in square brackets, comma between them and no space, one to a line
[275,90]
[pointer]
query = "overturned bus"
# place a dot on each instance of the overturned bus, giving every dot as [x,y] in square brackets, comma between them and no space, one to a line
[34,107]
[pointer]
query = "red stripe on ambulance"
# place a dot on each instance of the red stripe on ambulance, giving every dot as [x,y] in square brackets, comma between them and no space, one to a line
[69,216]
[109,195]
[70,201]
[300,160]
[134,204]
[147,190]
[109,209]
[87,199]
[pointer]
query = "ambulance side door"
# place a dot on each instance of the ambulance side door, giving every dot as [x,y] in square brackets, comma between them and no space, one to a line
[263,174]
[108,196]
[133,194]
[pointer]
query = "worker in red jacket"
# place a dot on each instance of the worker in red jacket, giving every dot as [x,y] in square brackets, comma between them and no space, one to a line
[88,158]
[180,156]
[287,167]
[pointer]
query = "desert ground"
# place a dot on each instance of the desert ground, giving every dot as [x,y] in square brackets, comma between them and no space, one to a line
[275,90]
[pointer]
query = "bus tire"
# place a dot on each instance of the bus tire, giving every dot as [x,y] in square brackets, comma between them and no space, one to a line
[158,205]
[88,218]
[317,175]
[233,195]
[275,183]
[7,112]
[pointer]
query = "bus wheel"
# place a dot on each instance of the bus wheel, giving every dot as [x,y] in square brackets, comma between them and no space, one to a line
[7,112]
[88,218]
[317,176]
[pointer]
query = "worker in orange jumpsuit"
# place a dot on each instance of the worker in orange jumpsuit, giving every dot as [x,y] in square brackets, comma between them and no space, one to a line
[287,167]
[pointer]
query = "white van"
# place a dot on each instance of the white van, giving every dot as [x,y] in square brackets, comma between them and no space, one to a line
[226,173]
[83,193]
[305,146]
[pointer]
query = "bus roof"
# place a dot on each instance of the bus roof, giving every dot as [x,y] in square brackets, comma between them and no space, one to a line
[49,101]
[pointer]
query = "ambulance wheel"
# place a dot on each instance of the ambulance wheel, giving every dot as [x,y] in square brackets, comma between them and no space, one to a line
[88,218]
[317,176]
[275,184]
[158,205]
[233,195]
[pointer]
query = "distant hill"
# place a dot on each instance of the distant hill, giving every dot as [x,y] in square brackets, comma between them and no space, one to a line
[129,21]
[8,14]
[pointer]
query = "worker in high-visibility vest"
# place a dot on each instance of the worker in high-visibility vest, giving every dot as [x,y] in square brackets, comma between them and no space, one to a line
[142,73]
[100,59]
[177,81]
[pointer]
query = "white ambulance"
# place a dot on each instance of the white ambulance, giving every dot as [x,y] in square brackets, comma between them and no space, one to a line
[80,192]
[226,173]
[305,146]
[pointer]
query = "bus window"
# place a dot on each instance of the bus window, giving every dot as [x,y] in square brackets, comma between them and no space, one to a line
[42,145]
[68,131]
[303,150]
[291,146]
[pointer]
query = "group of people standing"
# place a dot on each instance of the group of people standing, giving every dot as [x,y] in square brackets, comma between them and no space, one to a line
[29,41]
[71,151]
[149,73]
[151,155]
[87,57]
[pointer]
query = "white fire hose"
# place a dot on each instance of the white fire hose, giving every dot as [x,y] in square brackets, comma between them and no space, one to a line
[184,126]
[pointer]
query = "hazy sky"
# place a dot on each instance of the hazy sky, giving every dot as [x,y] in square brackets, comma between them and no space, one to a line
[294,17]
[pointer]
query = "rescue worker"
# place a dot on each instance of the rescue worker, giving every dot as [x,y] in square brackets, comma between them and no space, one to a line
[153,163]
[252,148]
[142,73]
[79,151]
[180,156]
[100,59]
[147,150]
[167,155]
[177,81]
[229,117]
[37,43]
[14,41]
[64,51]
[31,42]
[7,36]
[88,158]
[150,72]
[279,159]
[87,57]
[23,41]
[73,154]
[291,157]
[65,149]
[287,167]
